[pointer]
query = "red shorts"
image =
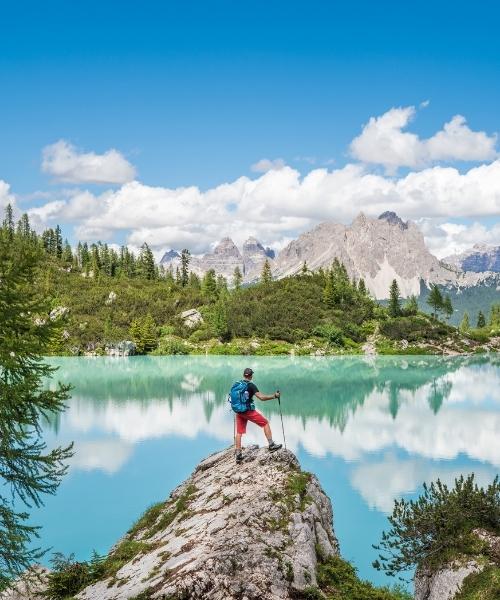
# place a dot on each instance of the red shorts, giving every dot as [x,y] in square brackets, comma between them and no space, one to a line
[249,415]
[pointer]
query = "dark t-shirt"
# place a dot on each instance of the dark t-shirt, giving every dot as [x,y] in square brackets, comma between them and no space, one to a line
[252,390]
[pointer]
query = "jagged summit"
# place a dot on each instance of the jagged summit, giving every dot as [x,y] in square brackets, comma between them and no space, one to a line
[392,218]
[168,256]
[227,247]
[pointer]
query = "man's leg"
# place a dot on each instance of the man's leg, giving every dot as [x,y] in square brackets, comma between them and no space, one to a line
[241,426]
[256,417]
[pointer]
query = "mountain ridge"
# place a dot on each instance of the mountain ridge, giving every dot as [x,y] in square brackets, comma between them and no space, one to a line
[377,250]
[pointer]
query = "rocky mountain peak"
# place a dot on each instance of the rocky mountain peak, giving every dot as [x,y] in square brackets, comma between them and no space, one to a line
[169,256]
[392,218]
[228,247]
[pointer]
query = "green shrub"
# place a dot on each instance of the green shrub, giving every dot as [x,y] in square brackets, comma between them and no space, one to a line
[172,345]
[438,525]
[338,580]
[479,335]
[330,333]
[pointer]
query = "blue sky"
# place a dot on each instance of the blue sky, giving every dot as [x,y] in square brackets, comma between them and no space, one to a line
[194,93]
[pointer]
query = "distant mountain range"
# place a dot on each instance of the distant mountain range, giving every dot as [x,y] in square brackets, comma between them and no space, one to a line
[477,259]
[377,250]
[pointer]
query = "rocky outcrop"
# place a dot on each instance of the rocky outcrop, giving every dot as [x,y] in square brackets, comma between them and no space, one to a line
[191,318]
[123,348]
[447,581]
[251,531]
[478,259]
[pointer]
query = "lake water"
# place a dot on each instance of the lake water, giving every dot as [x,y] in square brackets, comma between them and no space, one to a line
[371,429]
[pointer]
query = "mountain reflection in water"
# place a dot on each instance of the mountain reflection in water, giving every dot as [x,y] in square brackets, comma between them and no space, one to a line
[372,429]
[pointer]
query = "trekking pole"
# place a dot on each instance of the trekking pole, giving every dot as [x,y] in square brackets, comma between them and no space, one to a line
[282,426]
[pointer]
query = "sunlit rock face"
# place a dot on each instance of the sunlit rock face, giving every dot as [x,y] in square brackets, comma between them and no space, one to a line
[478,259]
[254,256]
[446,582]
[377,250]
[230,532]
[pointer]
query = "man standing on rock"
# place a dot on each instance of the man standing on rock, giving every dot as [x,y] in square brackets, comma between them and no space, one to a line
[241,397]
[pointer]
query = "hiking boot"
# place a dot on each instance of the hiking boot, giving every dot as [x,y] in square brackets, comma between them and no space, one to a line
[239,458]
[273,447]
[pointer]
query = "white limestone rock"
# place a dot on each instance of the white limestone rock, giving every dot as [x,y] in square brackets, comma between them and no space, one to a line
[191,318]
[240,533]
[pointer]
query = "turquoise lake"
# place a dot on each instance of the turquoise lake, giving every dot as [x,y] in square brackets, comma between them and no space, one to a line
[372,429]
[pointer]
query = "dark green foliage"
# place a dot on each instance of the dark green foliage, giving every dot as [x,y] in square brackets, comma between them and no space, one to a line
[410,308]
[465,323]
[331,333]
[185,259]
[143,332]
[237,278]
[435,300]
[209,286]
[394,299]
[338,580]
[146,263]
[266,275]
[415,328]
[27,469]
[438,525]
[447,306]
[481,586]
[481,321]
[495,315]
[69,576]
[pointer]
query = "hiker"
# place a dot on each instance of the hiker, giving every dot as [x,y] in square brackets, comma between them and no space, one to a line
[241,397]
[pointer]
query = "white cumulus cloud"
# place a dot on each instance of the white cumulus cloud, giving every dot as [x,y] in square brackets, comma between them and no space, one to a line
[383,141]
[66,163]
[6,197]
[279,205]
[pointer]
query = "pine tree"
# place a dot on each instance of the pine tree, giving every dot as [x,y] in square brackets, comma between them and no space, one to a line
[185,260]
[58,242]
[67,255]
[362,287]
[27,469]
[135,332]
[266,275]
[465,323]
[447,306]
[481,321]
[8,222]
[209,285]
[328,290]
[304,269]
[221,284]
[435,300]
[147,263]
[148,333]
[411,306]
[394,300]
[495,315]
[237,278]
[194,281]
[24,227]
[220,321]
